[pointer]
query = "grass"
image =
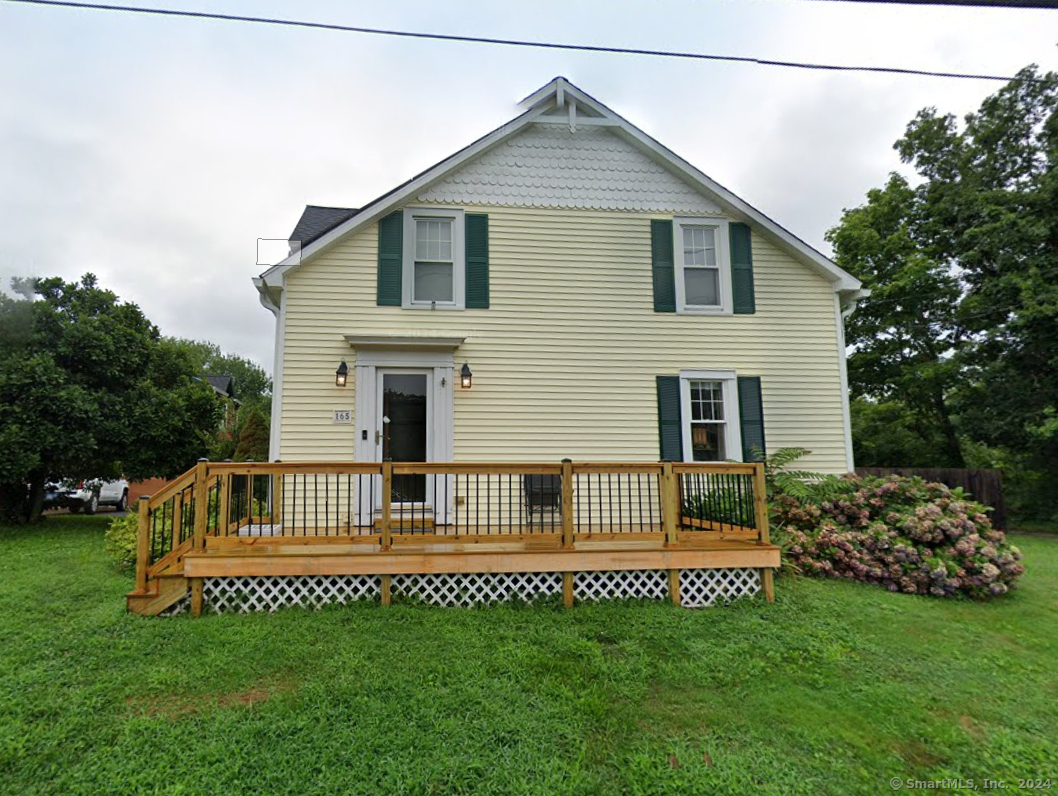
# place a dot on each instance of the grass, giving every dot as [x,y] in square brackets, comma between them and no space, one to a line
[835,688]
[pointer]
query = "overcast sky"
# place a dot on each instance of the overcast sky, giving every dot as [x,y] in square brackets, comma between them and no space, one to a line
[155,151]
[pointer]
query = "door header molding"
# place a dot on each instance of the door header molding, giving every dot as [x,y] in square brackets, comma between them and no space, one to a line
[404,342]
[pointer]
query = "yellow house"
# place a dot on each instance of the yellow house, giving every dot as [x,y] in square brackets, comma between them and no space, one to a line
[541,368]
[563,287]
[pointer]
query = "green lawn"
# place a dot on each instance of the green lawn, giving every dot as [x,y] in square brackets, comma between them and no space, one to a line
[835,688]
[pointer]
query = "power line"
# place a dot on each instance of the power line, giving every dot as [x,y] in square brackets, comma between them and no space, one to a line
[165,12]
[1037,4]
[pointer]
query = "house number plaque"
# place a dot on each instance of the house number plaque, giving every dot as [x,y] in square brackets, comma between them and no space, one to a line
[343,416]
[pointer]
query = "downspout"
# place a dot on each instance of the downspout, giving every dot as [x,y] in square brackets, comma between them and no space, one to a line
[845,303]
[277,306]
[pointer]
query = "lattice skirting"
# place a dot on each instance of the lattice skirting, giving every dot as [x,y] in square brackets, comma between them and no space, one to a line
[622,585]
[473,588]
[698,588]
[702,587]
[248,594]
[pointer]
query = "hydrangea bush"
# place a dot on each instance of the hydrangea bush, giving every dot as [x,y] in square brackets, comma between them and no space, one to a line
[902,533]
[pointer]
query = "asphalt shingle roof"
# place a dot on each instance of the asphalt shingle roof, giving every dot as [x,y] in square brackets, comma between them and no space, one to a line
[316,221]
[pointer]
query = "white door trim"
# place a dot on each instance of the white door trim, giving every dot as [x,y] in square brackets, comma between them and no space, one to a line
[440,442]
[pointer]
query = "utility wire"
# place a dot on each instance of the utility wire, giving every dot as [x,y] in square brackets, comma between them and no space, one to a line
[166,12]
[1037,4]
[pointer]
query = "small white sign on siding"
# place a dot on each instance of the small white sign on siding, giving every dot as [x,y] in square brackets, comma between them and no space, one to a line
[344,416]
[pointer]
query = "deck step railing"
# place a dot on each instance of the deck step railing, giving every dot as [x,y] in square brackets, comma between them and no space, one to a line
[390,501]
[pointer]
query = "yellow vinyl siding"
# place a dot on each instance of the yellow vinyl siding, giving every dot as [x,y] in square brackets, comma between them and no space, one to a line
[565,358]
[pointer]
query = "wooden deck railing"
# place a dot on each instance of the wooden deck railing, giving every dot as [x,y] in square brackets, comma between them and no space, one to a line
[389,500]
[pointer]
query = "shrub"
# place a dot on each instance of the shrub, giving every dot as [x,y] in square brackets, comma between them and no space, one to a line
[121,540]
[902,533]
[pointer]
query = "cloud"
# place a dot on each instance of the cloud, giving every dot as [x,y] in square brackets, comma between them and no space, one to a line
[155,152]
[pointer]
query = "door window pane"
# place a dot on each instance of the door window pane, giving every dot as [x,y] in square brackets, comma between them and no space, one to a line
[404,431]
[701,287]
[433,282]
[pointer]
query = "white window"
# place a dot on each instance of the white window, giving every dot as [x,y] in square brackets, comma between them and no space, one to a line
[703,265]
[433,256]
[709,409]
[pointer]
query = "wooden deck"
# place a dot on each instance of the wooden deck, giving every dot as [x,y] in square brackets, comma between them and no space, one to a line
[361,555]
[621,518]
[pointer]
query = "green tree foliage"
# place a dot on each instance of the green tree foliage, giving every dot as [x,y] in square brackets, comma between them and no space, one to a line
[889,434]
[252,385]
[253,438]
[962,326]
[89,389]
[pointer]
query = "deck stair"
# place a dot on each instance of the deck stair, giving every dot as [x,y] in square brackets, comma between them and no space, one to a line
[160,594]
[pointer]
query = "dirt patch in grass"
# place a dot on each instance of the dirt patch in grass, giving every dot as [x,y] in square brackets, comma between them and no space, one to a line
[175,706]
[918,754]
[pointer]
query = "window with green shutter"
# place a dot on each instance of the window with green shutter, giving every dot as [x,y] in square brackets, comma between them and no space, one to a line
[743,297]
[670,428]
[390,259]
[477,261]
[751,417]
[663,266]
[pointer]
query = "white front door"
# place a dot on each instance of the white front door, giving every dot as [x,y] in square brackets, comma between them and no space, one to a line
[404,429]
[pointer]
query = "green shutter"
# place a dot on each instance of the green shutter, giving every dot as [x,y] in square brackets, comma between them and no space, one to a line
[663,269]
[669,427]
[742,270]
[390,259]
[751,417]
[477,261]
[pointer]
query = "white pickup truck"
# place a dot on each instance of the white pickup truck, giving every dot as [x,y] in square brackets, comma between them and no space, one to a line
[88,496]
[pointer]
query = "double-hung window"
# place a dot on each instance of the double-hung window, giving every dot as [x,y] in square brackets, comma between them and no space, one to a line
[709,408]
[433,255]
[703,282]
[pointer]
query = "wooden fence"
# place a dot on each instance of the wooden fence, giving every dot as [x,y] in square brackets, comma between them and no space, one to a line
[986,486]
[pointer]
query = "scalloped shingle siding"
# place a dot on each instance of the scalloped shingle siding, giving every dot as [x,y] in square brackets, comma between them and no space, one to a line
[549,166]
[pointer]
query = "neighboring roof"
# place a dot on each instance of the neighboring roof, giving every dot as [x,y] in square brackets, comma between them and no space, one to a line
[550,104]
[222,385]
[316,221]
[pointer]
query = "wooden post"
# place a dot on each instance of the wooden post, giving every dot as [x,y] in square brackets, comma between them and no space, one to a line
[387,589]
[674,586]
[767,580]
[567,589]
[143,543]
[669,505]
[760,511]
[196,596]
[567,504]
[387,504]
[760,503]
[201,506]
[223,507]
[277,498]
[178,518]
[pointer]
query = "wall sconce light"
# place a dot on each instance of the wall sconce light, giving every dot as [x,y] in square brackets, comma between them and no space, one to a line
[341,376]
[465,376]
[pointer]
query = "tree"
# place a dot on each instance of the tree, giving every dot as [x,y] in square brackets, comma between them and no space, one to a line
[962,328]
[252,385]
[91,390]
[253,438]
[905,333]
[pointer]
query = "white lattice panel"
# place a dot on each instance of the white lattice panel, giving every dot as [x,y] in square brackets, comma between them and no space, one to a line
[621,585]
[476,587]
[245,595]
[702,587]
